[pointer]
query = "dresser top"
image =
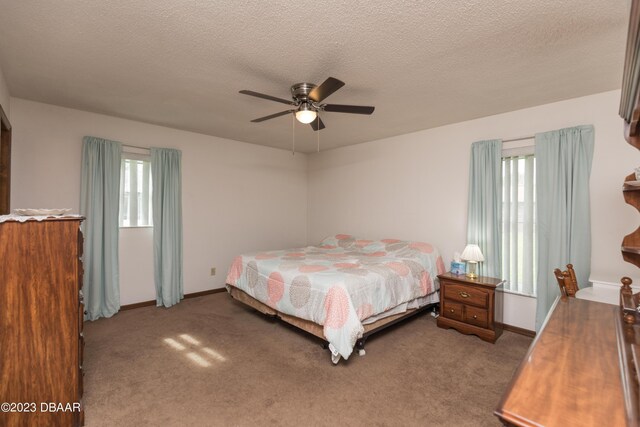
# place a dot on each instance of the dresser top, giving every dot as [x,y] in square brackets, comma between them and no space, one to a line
[24,218]
[570,376]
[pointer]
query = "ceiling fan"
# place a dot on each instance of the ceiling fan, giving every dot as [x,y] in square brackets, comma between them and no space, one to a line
[307,100]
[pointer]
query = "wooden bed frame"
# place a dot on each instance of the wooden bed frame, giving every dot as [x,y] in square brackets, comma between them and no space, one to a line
[316,329]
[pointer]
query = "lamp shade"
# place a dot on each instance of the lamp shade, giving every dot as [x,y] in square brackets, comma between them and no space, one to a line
[306,114]
[472,253]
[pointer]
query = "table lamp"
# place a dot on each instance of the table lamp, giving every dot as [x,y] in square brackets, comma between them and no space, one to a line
[473,255]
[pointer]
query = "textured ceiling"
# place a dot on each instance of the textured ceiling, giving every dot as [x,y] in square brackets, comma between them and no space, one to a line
[181,63]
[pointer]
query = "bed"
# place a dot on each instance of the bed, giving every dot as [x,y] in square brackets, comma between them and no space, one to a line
[341,290]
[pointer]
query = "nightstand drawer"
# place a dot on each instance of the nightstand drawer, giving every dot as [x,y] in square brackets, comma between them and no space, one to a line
[466,295]
[452,310]
[476,316]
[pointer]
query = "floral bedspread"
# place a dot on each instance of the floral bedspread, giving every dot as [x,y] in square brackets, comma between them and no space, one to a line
[340,282]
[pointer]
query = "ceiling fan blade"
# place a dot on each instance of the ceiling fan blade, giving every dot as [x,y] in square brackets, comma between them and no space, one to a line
[272,116]
[325,89]
[353,109]
[317,124]
[269,97]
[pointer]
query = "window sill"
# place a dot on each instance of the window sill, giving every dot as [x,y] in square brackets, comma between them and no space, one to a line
[134,226]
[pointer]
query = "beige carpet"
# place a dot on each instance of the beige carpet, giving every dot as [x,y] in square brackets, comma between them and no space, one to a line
[210,361]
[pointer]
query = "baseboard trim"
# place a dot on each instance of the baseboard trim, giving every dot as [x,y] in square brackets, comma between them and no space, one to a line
[207,292]
[521,331]
[153,302]
[137,305]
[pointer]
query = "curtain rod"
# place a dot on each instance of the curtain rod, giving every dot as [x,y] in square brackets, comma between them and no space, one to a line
[136,146]
[520,138]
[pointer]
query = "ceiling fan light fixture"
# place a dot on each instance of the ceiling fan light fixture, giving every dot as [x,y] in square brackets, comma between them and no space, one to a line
[306,100]
[306,114]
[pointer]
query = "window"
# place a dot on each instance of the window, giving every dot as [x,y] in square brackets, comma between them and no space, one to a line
[519,220]
[135,191]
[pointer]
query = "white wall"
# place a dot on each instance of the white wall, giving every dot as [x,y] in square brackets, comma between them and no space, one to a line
[4,96]
[240,197]
[414,186]
[237,197]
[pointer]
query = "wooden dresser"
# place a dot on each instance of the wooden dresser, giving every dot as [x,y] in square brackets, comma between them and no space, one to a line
[571,374]
[472,306]
[41,317]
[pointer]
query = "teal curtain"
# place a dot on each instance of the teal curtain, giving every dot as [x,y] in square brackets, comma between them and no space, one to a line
[166,175]
[99,203]
[563,166]
[484,219]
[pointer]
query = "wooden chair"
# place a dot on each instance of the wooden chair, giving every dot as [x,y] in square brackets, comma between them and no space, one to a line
[567,281]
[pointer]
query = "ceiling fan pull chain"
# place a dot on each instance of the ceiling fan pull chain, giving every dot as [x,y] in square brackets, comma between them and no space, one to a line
[293,135]
[318,132]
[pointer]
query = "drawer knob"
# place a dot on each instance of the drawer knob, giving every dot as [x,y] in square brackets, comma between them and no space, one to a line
[464,295]
[452,310]
[475,316]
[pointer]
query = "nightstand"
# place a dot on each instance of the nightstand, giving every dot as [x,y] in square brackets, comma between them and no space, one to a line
[471,306]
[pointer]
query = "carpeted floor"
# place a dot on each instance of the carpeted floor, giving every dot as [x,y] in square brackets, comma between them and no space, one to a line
[210,361]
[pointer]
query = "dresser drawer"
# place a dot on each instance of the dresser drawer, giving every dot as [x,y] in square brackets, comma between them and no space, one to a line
[81,350]
[80,276]
[452,310]
[80,318]
[80,243]
[466,294]
[476,316]
[80,381]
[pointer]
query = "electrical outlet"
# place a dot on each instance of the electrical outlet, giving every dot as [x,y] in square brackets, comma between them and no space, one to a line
[213,271]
